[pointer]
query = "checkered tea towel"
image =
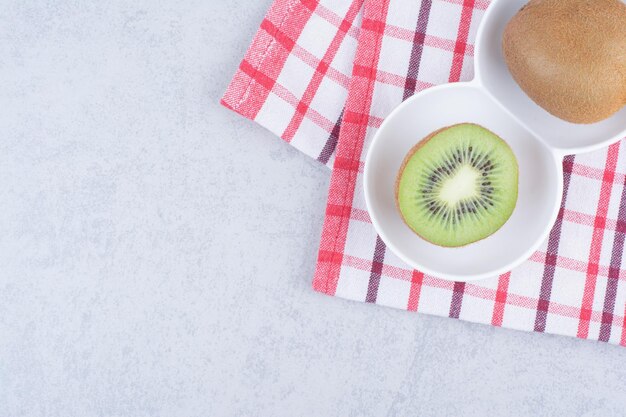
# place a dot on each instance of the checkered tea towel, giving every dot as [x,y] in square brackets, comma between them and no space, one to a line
[322,74]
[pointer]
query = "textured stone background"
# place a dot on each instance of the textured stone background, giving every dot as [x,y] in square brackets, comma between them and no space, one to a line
[156,251]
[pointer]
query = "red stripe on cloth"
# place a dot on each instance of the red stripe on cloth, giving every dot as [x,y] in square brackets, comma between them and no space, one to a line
[364,72]
[312,114]
[347,164]
[332,262]
[479,4]
[344,80]
[596,240]
[374,121]
[374,25]
[265,81]
[265,57]
[461,41]
[320,72]
[336,20]
[400,81]
[417,279]
[531,303]
[501,294]
[330,257]
[314,62]
[247,91]
[587,219]
[477,291]
[427,39]
[337,210]
[614,271]
[280,36]
[362,119]
[352,136]
[360,215]
[595,173]
[573,264]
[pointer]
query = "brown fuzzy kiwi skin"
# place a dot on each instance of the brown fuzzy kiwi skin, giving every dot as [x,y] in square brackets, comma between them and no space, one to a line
[569,56]
[406,161]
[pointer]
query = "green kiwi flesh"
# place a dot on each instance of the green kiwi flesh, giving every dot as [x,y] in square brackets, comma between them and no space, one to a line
[458,185]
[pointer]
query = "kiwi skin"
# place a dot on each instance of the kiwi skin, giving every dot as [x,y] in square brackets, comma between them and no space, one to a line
[406,160]
[408,157]
[569,56]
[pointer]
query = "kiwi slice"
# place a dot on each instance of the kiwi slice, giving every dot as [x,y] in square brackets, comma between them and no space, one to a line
[458,185]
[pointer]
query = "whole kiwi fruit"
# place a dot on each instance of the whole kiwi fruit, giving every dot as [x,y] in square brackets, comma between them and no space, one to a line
[569,56]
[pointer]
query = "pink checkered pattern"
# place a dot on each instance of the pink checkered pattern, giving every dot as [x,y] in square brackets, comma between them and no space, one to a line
[324,74]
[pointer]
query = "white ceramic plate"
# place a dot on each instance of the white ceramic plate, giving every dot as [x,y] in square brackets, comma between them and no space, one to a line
[538,139]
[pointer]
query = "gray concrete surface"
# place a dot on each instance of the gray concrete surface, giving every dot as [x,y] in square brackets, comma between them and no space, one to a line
[156,251]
